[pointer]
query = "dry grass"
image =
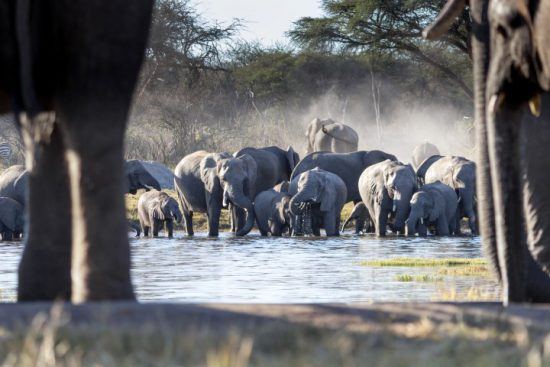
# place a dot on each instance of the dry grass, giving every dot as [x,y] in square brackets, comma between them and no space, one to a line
[421,262]
[53,341]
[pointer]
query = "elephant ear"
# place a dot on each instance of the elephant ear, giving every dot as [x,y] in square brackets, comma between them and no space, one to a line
[157,211]
[252,174]
[208,172]
[328,195]
[437,206]
[293,158]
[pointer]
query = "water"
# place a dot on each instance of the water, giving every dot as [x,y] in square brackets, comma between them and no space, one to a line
[279,270]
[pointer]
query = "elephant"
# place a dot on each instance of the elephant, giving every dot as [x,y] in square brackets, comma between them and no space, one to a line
[511,58]
[13,183]
[139,178]
[360,214]
[249,172]
[132,226]
[69,70]
[422,152]
[12,220]
[460,174]
[326,193]
[386,189]
[436,205]
[199,190]
[348,166]
[272,211]
[156,208]
[330,136]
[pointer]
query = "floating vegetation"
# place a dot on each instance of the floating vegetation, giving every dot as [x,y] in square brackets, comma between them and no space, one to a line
[419,262]
[423,278]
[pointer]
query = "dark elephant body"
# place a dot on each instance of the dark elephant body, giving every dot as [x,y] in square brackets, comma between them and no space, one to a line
[434,205]
[348,166]
[330,136]
[458,173]
[156,209]
[272,211]
[11,218]
[422,152]
[68,72]
[386,188]
[13,183]
[326,193]
[198,187]
[363,222]
[511,57]
[251,171]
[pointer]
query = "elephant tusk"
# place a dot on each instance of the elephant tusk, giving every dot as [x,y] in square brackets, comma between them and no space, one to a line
[394,209]
[496,102]
[535,105]
[421,220]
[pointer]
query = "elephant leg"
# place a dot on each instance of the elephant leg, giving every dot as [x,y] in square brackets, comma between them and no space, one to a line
[170,228]
[331,224]
[359,225]
[146,231]
[504,149]
[45,268]
[101,251]
[442,226]
[381,222]
[188,219]
[156,226]
[298,227]
[214,213]
[7,235]
[240,216]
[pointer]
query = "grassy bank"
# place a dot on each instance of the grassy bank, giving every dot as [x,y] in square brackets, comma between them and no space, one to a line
[414,337]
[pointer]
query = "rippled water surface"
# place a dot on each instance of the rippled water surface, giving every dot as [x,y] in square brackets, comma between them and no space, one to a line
[280,270]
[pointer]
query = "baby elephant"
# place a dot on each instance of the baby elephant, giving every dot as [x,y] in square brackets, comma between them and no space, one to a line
[434,205]
[154,209]
[11,219]
[363,223]
[272,210]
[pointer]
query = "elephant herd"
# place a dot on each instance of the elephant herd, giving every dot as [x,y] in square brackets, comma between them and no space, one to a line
[281,194]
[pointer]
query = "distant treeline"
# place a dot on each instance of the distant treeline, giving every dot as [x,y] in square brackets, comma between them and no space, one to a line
[363,63]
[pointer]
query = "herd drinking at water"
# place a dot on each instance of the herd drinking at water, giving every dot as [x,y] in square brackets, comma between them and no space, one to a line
[273,189]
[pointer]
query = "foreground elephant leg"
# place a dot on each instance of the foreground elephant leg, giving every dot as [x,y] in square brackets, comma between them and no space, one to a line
[45,267]
[504,153]
[170,228]
[214,213]
[101,251]
[188,219]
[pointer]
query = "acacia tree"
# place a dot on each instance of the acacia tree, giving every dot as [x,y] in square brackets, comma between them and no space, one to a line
[388,27]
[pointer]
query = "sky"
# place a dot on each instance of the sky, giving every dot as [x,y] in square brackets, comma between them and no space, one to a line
[265,20]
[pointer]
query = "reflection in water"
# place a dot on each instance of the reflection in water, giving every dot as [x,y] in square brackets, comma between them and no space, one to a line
[276,270]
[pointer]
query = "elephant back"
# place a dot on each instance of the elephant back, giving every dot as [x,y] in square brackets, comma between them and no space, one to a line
[13,183]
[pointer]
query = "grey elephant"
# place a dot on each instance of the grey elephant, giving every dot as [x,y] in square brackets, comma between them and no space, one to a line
[348,166]
[434,205]
[386,189]
[325,194]
[249,172]
[156,209]
[422,152]
[272,211]
[13,183]
[12,220]
[139,178]
[512,98]
[199,190]
[363,222]
[460,174]
[330,136]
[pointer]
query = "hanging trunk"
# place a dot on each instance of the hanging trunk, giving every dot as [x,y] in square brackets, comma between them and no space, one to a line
[236,196]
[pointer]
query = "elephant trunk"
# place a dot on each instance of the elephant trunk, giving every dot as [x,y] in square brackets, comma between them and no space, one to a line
[401,209]
[237,198]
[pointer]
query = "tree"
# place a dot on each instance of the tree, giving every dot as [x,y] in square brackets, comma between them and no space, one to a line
[388,27]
